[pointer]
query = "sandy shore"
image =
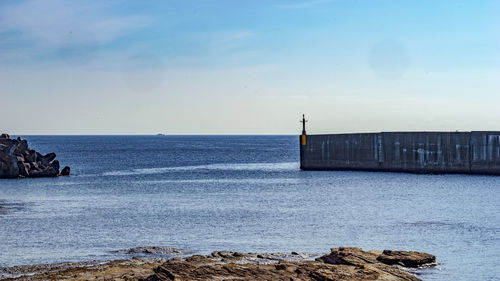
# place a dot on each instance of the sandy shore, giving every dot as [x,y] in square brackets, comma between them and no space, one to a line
[340,264]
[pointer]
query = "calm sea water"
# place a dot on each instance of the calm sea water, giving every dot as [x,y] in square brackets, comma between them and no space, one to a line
[242,193]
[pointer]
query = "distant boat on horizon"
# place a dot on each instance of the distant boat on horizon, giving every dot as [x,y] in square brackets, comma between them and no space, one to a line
[160,134]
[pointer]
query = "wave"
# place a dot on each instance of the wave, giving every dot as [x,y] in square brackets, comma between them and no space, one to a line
[232,181]
[269,167]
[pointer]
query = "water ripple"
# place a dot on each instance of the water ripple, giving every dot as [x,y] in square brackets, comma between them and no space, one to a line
[270,167]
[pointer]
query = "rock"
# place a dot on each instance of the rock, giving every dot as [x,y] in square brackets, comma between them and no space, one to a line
[38,158]
[223,254]
[55,165]
[348,256]
[66,171]
[150,250]
[33,155]
[18,160]
[47,158]
[30,158]
[131,269]
[358,257]
[407,259]
[46,172]
[10,168]
[7,171]
[22,146]
[341,264]
[7,142]
[24,169]
[50,156]
[34,166]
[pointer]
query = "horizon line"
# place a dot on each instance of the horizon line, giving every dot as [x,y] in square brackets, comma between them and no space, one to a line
[162,135]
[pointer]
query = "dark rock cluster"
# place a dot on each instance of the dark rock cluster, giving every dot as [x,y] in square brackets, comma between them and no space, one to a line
[17,160]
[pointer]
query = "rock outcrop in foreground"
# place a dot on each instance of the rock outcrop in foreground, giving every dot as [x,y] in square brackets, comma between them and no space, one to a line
[340,264]
[17,160]
[351,264]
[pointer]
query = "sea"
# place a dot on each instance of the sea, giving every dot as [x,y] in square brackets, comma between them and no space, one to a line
[240,193]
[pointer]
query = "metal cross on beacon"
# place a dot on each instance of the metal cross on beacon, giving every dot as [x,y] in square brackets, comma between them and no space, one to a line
[303,124]
[303,136]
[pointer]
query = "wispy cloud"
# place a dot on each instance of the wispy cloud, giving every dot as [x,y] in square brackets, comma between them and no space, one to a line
[303,4]
[39,27]
[224,41]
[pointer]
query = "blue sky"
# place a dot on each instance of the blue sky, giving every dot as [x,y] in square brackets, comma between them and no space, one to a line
[248,67]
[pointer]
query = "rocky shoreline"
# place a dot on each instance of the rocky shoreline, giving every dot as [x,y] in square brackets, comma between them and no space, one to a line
[17,160]
[340,264]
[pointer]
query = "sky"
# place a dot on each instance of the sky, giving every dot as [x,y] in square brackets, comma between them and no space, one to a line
[248,67]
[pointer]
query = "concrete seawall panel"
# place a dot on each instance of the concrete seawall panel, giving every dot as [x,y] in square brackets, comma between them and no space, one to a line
[343,151]
[415,152]
[432,152]
[485,153]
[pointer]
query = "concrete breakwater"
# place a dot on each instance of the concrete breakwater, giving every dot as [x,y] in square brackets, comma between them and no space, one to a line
[475,152]
[17,160]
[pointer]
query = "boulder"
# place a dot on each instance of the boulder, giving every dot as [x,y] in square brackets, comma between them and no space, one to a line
[65,171]
[47,158]
[349,256]
[28,159]
[55,165]
[7,142]
[38,157]
[4,136]
[368,260]
[407,259]
[22,146]
[8,171]
[47,172]
[34,166]
[24,169]
[13,168]
[33,155]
